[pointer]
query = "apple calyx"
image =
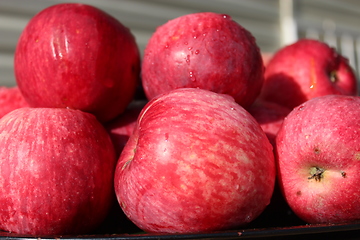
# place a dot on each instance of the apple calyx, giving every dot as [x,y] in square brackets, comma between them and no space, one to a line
[333,76]
[316,173]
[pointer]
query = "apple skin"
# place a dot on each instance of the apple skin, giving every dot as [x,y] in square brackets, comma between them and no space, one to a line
[321,133]
[11,99]
[77,56]
[270,116]
[203,50]
[304,70]
[121,128]
[57,168]
[196,162]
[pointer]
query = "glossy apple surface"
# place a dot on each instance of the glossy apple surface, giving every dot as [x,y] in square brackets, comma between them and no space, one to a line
[304,70]
[203,50]
[196,162]
[11,99]
[318,157]
[57,167]
[77,56]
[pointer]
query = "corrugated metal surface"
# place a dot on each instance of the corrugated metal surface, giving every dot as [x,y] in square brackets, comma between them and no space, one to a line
[261,17]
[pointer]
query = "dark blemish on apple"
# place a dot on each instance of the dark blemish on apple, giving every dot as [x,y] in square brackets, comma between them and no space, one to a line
[298,193]
[343,174]
[316,173]
[317,151]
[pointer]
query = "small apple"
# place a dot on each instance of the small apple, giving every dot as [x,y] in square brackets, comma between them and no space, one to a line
[77,56]
[203,50]
[304,70]
[11,99]
[121,128]
[196,162]
[270,116]
[56,172]
[318,154]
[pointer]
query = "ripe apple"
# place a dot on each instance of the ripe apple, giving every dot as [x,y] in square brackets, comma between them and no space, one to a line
[121,128]
[196,162]
[77,56]
[270,116]
[304,70]
[203,50]
[11,99]
[318,158]
[56,171]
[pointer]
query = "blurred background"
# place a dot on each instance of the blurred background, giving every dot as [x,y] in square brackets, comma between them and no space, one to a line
[274,23]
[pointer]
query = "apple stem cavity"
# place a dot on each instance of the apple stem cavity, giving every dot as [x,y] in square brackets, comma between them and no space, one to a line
[316,173]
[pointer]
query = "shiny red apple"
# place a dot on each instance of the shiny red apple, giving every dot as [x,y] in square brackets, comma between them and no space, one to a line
[318,159]
[56,172]
[203,50]
[77,56]
[304,70]
[196,162]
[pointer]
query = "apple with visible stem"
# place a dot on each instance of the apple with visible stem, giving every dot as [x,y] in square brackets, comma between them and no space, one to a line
[196,162]
[318,154]
[270,116]
[203,50]
[304,70]
[11,99]
[77,56]
[56,172]
[121,128]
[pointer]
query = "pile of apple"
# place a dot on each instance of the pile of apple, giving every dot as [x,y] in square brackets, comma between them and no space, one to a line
[215,133]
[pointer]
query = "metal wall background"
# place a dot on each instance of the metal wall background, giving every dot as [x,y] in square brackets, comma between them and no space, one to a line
[335,21]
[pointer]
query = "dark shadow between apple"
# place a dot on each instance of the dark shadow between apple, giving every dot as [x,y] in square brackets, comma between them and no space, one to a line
[281,88]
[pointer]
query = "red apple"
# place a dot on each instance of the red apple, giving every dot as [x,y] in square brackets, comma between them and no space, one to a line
[270,116]
[196,162]
[77,56]
[121,128]
[304,70]
[56,171]
[11,99]
[203,50]
[318,158]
